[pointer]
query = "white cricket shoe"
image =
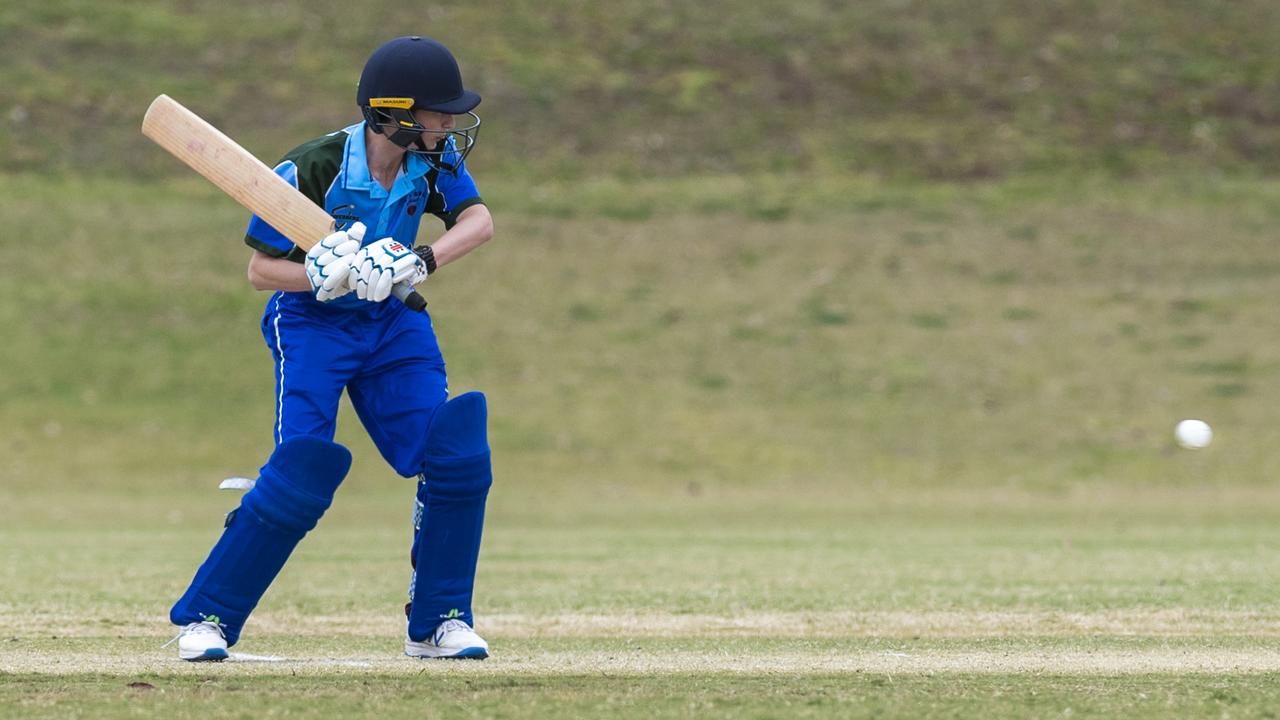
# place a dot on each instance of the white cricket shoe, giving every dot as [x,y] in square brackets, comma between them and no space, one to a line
[202,641]
[452,639]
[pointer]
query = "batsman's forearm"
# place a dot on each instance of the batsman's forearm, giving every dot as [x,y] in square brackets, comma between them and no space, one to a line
[473,229]
[270,273]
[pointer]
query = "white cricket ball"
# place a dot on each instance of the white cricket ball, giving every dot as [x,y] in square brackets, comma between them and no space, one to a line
[1193,434]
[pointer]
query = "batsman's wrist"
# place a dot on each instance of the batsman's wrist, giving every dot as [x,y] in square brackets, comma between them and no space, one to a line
[428,258]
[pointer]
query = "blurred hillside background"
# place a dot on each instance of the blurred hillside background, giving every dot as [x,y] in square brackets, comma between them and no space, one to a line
[742,245]
[894,88]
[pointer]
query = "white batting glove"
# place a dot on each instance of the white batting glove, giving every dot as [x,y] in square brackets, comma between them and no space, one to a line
[328,263]
[376,268]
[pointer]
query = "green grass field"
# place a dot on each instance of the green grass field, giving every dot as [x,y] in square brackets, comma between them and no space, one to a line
[855,450]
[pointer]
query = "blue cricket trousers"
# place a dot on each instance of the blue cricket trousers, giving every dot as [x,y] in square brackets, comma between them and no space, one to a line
[385,356]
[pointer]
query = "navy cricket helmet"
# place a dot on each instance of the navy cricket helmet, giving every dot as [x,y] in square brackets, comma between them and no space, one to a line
[418,73]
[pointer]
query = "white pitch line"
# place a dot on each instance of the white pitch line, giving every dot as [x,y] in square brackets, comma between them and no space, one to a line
[834,624]
[1074,662]
[336,662]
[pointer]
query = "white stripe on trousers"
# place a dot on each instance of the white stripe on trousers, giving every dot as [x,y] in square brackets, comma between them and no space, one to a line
[275,323]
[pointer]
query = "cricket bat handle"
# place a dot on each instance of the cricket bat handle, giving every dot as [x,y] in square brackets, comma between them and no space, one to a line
[409,296]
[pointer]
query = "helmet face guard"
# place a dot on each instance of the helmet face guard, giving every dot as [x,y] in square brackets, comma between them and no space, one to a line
[416,72]
[393,117]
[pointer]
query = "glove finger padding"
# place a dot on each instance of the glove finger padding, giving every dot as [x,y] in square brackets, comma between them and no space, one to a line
[335,282]
[328,262]
[356,278]
[337,253]
[364,277]
[380,289]
[380,266]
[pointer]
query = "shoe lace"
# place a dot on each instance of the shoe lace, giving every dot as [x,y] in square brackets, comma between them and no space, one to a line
[210,623]
[449,626]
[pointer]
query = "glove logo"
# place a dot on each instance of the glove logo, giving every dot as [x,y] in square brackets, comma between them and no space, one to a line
[396,247]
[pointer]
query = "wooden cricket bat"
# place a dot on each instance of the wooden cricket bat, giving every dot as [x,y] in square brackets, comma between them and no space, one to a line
[221,160]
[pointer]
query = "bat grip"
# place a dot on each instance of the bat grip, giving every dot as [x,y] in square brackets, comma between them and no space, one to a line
[409,296]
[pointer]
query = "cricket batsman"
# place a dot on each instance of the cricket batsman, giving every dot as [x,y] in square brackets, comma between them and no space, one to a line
[330,327]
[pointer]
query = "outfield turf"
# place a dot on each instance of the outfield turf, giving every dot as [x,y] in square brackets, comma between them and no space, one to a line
[718,609]
[907,454]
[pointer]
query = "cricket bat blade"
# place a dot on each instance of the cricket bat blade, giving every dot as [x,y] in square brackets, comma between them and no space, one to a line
[223,162]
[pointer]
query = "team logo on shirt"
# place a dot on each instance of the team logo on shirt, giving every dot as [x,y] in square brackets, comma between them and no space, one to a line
[415,200]
[344,216]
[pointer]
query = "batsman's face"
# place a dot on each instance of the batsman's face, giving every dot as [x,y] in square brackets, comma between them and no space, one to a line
[437,125]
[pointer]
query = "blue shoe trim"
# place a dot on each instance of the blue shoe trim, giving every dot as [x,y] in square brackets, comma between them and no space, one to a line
[211,655]
[471,653]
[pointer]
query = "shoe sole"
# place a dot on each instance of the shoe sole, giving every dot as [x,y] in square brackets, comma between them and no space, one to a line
[471,653]
[210,655]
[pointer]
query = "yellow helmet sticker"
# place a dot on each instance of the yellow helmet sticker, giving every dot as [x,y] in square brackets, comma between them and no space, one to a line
[392,102]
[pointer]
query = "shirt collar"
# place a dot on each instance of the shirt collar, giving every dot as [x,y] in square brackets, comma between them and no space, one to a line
[355,168]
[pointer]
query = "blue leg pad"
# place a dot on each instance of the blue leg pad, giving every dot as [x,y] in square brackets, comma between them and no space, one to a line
[456,478]
[293,491]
